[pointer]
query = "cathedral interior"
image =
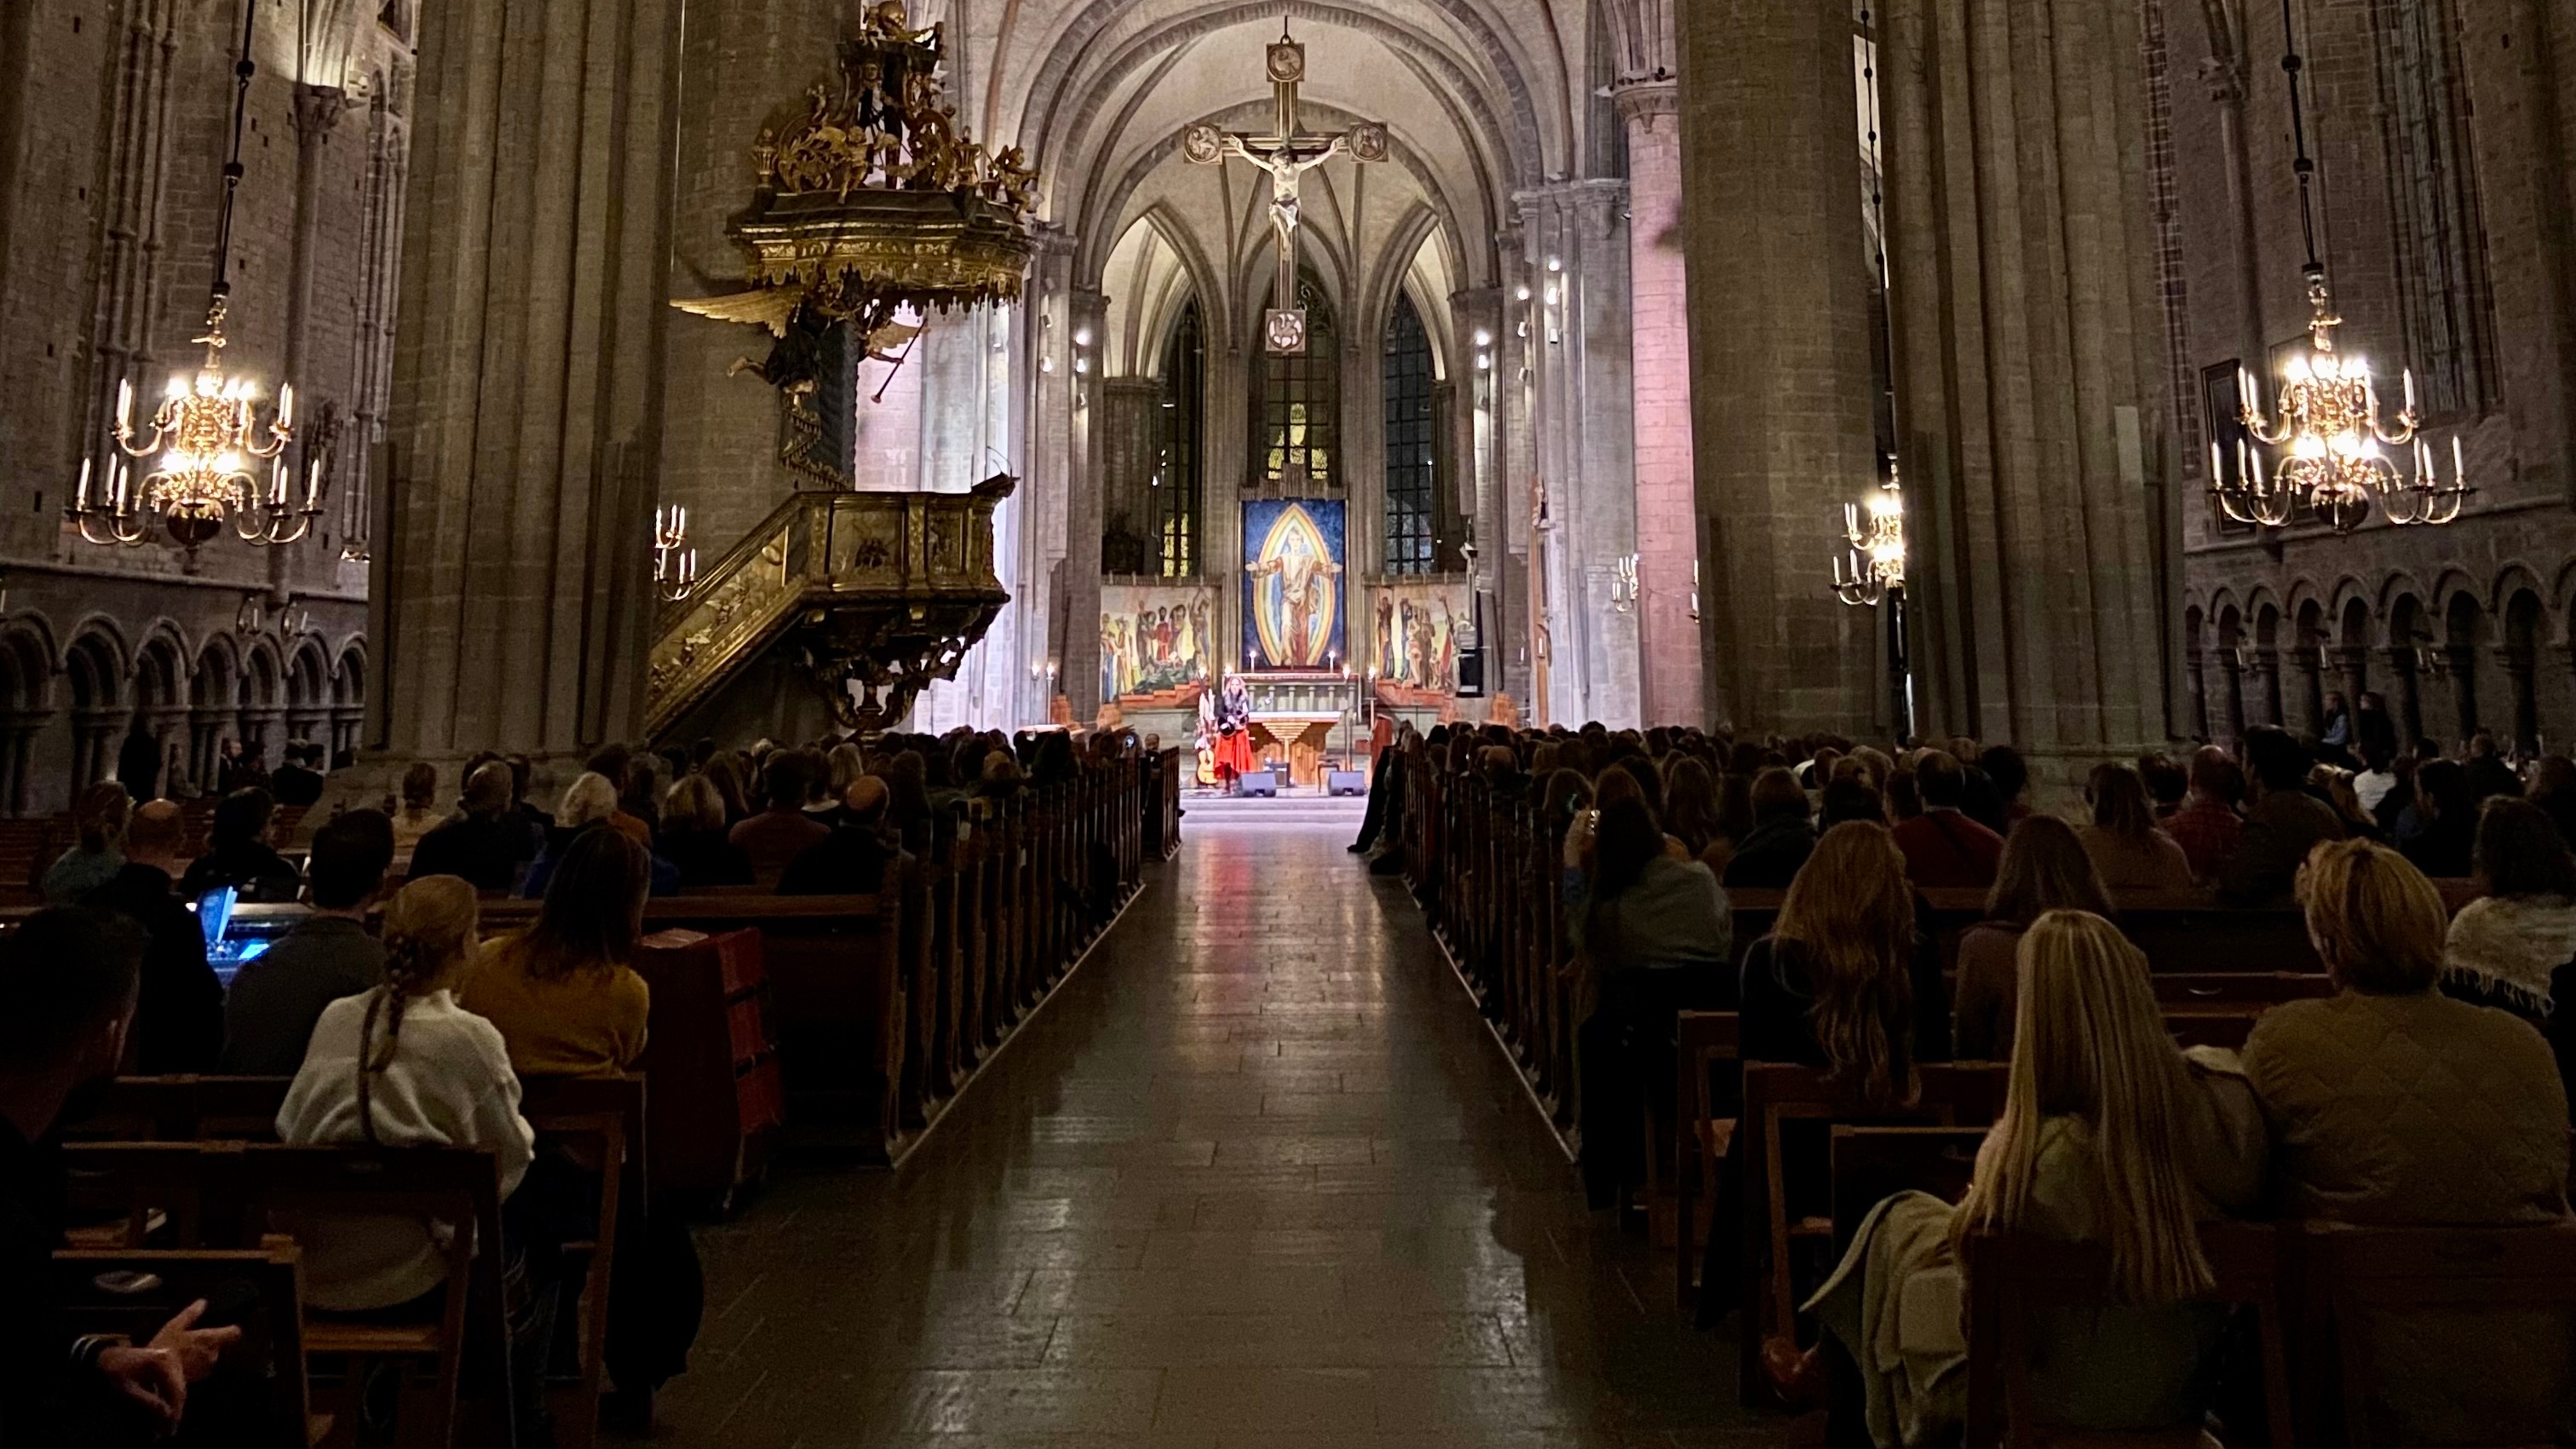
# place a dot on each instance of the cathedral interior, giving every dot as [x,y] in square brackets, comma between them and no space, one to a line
[1634,297]
[2108,378]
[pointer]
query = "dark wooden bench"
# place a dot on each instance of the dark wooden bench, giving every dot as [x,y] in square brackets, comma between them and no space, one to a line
[227,1195]
[262,1393]
[2013,1281]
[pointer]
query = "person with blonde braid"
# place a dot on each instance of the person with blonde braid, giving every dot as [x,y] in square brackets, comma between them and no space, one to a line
[403,1065]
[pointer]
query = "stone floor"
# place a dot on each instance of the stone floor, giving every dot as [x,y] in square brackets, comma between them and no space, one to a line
[1256,1176]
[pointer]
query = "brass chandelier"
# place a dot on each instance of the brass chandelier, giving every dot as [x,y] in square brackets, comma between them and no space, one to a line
[1872,565]
[207,433]
[2330,434]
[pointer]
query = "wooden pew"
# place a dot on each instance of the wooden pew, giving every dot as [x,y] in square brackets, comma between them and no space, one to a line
[2012,1281]
[1704,1115]
[260,1391]
[2353,1273]
[602,1121]
[1953,1095]
[227,1194]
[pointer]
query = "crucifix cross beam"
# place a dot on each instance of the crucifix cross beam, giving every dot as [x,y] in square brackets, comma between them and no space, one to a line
[1287,153]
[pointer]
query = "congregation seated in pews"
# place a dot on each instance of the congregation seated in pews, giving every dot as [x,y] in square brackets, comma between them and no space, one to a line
[561,1064]
[2237,1099]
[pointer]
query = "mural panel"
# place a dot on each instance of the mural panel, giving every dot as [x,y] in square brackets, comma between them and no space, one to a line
[1414,636]
[1157,642]
[1292,585]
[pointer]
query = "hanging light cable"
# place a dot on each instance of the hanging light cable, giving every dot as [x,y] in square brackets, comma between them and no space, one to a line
[206,432]
[1871,563]
[2330,437]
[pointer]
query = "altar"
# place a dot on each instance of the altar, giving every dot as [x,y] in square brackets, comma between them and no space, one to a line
[1303,740]
[1304,719]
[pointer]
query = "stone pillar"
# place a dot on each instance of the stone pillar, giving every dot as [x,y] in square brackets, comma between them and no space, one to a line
[2466,708]
[2408,707]
[134,144]
[1659,342]
[169,726]
[18,732]
[2310,692]
[2030,375]
[1584,437]
[317,112]
[1045,363]
[206,729]
[1088,316]
[1782,431]
[529,381]
[1479,315]
[744,62]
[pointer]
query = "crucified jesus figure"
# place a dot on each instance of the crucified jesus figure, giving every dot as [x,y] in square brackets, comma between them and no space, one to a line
[1287,167]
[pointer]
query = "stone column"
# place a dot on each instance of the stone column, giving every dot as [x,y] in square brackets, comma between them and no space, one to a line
[17,752]
[1479,315]
[1782,432]
[17,57]
[2030,377]
[529,381]
[317,112]
[2232,681]
[1659,343]
[2408,706]
[2310,692]
[741,63]
[206,724]
[1088,315]
[1583,441]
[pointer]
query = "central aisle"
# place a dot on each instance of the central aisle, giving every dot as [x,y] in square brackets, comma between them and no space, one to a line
[1257,1176]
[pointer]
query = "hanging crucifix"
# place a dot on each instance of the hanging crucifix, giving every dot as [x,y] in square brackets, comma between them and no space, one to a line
[1287,154]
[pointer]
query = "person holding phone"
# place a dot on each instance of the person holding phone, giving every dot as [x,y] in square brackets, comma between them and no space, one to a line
[72,977]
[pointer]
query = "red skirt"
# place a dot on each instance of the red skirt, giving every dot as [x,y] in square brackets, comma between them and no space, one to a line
[1234,753]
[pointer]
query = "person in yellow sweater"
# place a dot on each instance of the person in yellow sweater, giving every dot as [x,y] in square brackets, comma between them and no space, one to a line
[564,992]
[568,1003]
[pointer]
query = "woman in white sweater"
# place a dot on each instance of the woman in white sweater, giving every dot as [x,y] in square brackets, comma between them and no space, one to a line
[404,1065]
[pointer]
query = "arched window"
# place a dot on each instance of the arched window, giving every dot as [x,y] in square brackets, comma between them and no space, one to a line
[1412,460]
[1177,487]
[1297,409]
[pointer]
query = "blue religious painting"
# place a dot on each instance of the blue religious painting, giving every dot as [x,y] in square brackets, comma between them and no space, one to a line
[1292,584]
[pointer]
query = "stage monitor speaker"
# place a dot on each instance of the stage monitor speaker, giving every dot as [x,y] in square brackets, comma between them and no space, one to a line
[1346,782]
[1264,783]
[1471,673]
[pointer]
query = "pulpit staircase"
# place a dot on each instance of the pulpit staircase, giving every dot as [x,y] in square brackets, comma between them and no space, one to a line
[866,596]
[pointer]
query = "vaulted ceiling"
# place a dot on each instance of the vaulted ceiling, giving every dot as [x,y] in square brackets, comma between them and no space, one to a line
[1483,98]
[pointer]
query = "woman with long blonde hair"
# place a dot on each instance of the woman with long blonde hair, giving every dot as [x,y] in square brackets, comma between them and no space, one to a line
[1844,983]
[2110,1135]
[2097,1081]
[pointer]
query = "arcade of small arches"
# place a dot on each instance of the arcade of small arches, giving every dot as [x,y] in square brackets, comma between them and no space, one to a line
[69,699]
[2468,653]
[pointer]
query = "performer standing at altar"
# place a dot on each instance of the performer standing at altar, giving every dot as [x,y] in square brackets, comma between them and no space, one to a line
[1234,755]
